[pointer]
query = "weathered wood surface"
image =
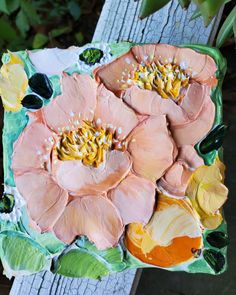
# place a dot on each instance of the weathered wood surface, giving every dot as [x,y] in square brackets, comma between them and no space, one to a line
[119,22]
[45,283]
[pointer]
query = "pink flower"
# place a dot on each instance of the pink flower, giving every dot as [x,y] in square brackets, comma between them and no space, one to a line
[176,82]
[191,114]
[78,182]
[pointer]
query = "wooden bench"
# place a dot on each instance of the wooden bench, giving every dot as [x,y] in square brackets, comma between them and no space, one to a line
[119,22]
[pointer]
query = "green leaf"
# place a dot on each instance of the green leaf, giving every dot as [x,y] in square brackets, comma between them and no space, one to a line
[7,32]
[234,29]
[227,28]
[21,254]
[215,260]
[80,263]
[39,40]
[12,5]
[79,37]
[214,139]
[91,56]
[60,31]
[184,3]
[30,11]
[22,22]
[217,239]
[74,9]
[3,7]
[113,257]
[7,203]
[209,8]
[148,7]
[196,14]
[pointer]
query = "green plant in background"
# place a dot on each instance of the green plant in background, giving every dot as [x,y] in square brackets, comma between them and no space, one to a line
[37,23]
[207,9]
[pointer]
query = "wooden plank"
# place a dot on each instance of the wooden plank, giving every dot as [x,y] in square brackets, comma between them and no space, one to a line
[45,283]
[119,22]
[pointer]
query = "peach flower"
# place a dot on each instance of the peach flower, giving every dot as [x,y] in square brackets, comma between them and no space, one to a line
[87,164]
[176,82]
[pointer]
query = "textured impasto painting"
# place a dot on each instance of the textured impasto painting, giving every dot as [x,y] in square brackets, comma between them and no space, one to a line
[113,160]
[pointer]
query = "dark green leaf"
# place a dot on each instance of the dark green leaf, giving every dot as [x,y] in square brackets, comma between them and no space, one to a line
[30,11]
[226,30]
[32,101]
[196,14]
[41,85]
[184,3]
[22,23]
[214,139]
[91,56]
[7,32]
[215,259]
[74,9]
[148,7]
[12,5]
[7,203]
[209,8]
[39,40]
[60,31]
[3,7]
[79,37]
[217,239]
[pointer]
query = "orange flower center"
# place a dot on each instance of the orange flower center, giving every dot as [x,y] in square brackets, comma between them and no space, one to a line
[89,143]
[166,79]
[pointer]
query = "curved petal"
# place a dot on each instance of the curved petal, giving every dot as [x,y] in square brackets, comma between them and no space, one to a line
[81,180]
[115,74]
[201,66]
[144,53]
[134,197]
[94,216]
[111,110]
[45,200]
[77,102]
[151,147]
[33,148]
[194,131]
[165,53]
[175,180]
[191,105]
[53,61]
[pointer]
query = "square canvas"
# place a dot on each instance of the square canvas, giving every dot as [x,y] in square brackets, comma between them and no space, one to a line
[113,160]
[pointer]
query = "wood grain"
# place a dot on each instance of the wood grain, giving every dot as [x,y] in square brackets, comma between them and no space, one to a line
[119,22]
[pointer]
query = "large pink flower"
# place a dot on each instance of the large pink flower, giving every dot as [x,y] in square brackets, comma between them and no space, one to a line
[191,112]
[98,185]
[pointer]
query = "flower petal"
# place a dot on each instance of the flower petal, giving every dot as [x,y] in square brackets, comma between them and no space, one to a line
[94,216]
[151,147]
[77,102]
[165,53]
[113,74]
[13,85]
[53,61]
[75,177]
[111,110]
[192,132]
[134,197]
[175,180]
[31,148]
[201,66]
[45,200]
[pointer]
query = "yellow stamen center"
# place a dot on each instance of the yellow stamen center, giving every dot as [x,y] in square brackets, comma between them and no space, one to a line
[166,79]
[88,144]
